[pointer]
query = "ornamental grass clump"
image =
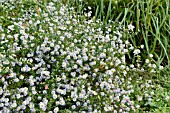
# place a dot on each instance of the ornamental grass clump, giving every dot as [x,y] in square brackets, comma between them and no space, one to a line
[55,60]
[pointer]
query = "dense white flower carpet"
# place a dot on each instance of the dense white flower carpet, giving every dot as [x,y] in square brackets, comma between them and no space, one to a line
[54,60]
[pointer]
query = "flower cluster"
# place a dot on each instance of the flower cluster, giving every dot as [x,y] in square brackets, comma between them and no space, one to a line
[53,60]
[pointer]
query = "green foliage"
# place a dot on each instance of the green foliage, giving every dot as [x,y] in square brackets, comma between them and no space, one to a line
[150,17]
[113,74]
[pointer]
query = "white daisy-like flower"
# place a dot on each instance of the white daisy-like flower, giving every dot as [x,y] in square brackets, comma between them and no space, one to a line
[42,106]
[131,27]
[64,64]
[54,96]
[13,105]
[147,61]
[136,51]
[56,110]
[62,102]
[73,106]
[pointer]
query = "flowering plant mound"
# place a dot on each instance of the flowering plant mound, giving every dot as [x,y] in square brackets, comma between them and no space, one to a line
[55,60]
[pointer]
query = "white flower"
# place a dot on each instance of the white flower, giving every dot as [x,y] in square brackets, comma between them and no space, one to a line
[11,27]
[113,70]
[152,93]
[56,109]
[106,109]
[84,76]
[69,35]
[150,65]
[12,74]
[45,101]
[79,62]
[45,73]
[124,72]
[102,55]
[6,62]
[73,106]
[161,67]
[18,96]
[139,98]
[151,55]
[26,68]
[13,105]
[85,58]
[62,102]
[117,62]
[42,106]
[167,98]
[131,47]
[109,72]
[52,44]
[2,105]
[25,102]
[131,27]
[57,103]
[78,103]
[147,61]
[29,99]
[58,79]
[142,46]
[62,38]
[54,96]
[92,63]
[21,77]
[38,22]
[64,64]
[53,92]
[1,91]
[85,104]
[73,74]
[16,80]
[154,66]
[136,51]
[137,106]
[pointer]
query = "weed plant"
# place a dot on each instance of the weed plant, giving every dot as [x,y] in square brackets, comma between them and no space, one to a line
[55,58]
